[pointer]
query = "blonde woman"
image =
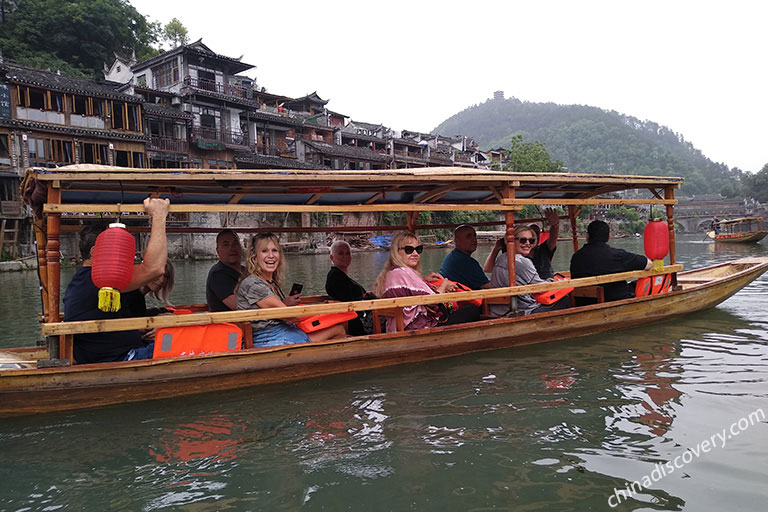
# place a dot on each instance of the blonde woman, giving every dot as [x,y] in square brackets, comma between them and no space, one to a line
[260,288]
[401,277]
[526,239]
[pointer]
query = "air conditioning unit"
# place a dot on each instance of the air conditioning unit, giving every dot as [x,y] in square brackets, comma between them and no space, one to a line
[187,107]
[175,100]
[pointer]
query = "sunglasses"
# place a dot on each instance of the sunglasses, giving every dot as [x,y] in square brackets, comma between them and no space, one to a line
[409,249]
[523,240]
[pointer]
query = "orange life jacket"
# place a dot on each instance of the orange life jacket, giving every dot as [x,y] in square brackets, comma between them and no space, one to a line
[552,296]
[459,287]
[197,339]
[316,322]
[653,285]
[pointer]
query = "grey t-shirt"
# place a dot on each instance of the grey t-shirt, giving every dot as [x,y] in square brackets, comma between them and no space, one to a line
[252,291]
[525,273]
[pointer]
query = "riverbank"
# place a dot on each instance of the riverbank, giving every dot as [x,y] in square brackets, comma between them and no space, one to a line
[29,263]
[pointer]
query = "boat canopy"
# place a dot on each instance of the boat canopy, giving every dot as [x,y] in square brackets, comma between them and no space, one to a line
[89,188]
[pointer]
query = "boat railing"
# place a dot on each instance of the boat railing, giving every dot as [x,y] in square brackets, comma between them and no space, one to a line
[89,326]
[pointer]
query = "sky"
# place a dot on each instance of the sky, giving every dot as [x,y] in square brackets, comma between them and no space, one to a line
[697,67]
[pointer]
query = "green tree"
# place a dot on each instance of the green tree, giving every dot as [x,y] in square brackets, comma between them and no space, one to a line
[529,157]
[175,33]
[756,185]
[77,38]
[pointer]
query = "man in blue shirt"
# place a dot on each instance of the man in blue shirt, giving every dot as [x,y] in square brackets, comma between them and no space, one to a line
[459,265]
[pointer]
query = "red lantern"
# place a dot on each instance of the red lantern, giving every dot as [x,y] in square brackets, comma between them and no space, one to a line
[656,242]
[112,264]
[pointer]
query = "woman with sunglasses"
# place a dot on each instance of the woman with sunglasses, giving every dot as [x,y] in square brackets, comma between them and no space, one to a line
[259,287]
[401,277]
[525,273]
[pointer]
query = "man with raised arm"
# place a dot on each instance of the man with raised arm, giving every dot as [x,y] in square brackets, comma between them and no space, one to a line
[459,265]
[223,276]
[81,298]
[597,258]
[544,252]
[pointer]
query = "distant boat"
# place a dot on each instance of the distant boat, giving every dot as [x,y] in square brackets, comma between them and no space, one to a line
[742,230]
[381,241]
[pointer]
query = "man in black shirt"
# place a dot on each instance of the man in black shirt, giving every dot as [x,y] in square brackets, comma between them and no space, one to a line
[544,252]
[223,276]
[81,298]
[339,286]
[597,258]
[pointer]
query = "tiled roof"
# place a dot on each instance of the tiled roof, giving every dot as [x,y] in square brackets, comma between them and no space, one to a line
[165,111]
[407,142]
[346,151]
[276,118]
[271,162]
[61,83]
[360,136]
[310,98]
[77,132]
[367,126]
[199,48]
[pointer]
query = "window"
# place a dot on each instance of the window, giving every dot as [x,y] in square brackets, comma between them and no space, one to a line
[5,149]
[166,74]
[32,97]
[141,80]
[91,153]
[122,158]
[129,159]
[219,164]
[125,116]
[44,152]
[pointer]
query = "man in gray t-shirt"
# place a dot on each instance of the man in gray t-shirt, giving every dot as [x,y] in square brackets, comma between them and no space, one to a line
[223,276]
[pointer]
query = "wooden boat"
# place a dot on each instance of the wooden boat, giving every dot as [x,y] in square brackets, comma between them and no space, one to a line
[742,230]
[48,383]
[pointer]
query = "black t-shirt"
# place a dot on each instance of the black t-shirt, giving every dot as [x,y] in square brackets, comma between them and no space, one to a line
[220,284]
[339,286]
[542,260]
[81,302]
[597,259]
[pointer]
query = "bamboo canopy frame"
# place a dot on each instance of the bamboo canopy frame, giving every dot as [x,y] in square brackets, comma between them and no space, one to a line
[73,191]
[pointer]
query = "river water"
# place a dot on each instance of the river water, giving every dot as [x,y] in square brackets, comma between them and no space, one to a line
[558,426]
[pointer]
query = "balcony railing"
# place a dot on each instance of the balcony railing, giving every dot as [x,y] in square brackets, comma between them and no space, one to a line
[219,88]
[272,150]
[462,158]
[168,144]
[225,136]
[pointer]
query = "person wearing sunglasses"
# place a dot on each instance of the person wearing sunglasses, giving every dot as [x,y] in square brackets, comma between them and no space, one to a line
[544,251]
[259,288]
[459,265]
[525,273]
[402,277]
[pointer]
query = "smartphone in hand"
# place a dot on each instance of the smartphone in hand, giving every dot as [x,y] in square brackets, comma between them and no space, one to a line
[296,289]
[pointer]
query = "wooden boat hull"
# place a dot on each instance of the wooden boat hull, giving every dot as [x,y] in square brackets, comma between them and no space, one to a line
[754,236]
[56,389]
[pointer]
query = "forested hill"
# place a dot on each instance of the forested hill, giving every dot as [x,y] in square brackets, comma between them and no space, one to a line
[589,139]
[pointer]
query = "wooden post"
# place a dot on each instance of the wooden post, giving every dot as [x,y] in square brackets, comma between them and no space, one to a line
[669,193]
[412,218]
[573,212]
[54,267]
[509,193]
[42,264]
